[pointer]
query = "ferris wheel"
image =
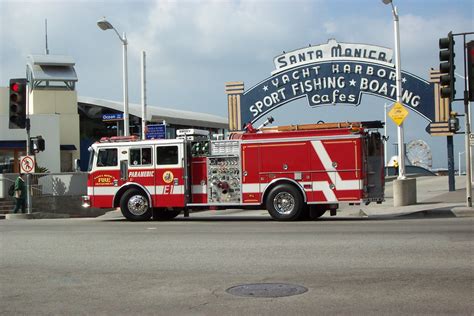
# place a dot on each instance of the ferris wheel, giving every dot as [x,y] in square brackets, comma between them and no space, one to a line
[419,154]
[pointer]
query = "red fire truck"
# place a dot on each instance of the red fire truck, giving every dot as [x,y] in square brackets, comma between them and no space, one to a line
[295,172]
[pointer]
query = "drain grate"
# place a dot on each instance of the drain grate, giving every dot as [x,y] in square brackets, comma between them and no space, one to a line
[267,290]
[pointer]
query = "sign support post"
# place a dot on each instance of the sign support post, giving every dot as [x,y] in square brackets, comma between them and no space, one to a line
[467,121]
[400,134]
[143,95]
[29,205]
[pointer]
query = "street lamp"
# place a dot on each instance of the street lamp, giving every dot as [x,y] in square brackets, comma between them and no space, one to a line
[385,106]
[401,142]
[104,25]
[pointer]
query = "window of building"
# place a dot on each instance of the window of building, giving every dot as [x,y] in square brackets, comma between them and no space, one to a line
[10,159]
[140,156]
[167,155]
[107,157]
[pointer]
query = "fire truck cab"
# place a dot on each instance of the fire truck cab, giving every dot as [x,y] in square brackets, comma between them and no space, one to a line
[295,172]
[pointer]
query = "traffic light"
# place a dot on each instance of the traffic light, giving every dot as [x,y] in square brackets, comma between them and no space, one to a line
[446,66]
[17,118]
[37,144]
[470,68]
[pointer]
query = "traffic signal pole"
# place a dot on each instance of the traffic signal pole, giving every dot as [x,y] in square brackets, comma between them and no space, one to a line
[467,145]
[467,115]
[29,205]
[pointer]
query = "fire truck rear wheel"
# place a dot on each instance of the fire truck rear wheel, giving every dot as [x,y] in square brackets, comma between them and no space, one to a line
[285,203]
[316,211]
[134,206]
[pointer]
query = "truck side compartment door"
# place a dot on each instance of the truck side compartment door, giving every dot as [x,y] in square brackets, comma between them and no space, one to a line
[170,175]
[251,182]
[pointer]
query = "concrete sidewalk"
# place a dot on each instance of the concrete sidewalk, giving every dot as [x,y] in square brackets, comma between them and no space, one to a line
[433,196]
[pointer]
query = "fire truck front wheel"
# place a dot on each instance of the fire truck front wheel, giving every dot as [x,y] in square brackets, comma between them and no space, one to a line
[285,203]
[134,206]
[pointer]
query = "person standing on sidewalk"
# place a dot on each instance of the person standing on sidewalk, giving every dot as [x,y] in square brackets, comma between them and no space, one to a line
[395,166]
[20,193]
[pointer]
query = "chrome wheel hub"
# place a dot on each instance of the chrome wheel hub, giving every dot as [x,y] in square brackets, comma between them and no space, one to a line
[137,205]
[284,203]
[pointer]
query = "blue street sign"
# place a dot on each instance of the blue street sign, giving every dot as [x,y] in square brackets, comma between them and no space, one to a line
[157,131]
[112,117]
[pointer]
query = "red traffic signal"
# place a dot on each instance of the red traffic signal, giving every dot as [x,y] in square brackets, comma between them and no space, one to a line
[16,87]
[17,104]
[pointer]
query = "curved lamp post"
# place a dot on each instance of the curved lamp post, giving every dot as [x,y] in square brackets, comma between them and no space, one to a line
[104,25]
[401,141]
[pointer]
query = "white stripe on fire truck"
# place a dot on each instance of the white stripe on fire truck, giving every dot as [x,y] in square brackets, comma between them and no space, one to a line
[160,189]
[332,172]
[199,189]
[324,187]
[169,189]
[251,187]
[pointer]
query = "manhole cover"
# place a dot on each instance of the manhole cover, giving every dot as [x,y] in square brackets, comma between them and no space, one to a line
[267,290]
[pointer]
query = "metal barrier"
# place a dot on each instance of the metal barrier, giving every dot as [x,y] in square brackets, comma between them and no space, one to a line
[6,180]
[49,184]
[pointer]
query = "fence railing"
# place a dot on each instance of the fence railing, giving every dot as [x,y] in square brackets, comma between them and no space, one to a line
[49,184]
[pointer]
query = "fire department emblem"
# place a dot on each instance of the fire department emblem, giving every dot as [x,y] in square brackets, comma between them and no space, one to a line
[168,177]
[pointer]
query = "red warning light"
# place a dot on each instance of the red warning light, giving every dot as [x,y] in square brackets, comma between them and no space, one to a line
[15,87]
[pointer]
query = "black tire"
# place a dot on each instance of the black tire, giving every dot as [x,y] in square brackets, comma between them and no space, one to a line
[304,216]
[316,211]
[162,214]
[285,203]
[135,206]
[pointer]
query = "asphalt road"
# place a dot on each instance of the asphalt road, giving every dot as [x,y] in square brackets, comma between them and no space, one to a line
[183,267]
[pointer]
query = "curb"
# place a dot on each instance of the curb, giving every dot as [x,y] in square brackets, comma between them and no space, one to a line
[19,216]
[35,215]
[463,211]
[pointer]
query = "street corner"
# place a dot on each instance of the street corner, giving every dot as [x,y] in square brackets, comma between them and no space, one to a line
[463,211]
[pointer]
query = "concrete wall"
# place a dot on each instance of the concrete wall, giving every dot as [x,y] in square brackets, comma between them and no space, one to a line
[63,103]
[53,101]
[3,101]
[64,206]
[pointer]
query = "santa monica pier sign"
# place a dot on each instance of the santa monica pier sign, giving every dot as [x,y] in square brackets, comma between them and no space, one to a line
[328,74]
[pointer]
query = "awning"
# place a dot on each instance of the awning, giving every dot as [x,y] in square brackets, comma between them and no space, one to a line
[67,147]
[13,144]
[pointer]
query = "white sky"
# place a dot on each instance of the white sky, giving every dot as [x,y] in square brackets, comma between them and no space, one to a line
[194,47]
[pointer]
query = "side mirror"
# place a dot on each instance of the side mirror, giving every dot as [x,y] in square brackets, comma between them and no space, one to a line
[77,165]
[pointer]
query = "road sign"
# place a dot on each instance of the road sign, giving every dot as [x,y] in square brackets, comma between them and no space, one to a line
[112,117]
[27,164]
[157,131]
[471,139]
[439,129]
[398,113]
